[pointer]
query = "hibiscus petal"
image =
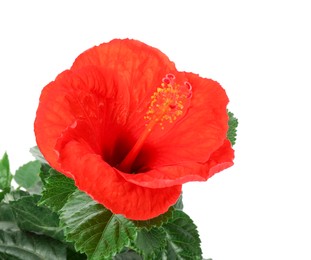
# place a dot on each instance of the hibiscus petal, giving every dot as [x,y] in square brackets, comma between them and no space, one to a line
[167,176]
[50,122]
[105,185]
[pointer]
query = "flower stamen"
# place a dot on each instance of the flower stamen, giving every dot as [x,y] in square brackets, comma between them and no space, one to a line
[168,103]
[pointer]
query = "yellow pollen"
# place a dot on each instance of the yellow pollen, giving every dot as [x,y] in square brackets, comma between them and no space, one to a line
[168,102]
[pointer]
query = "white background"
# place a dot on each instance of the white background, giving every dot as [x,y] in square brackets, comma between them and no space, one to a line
[258,50]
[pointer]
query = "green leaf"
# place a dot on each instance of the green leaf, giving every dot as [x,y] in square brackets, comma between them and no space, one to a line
[129,255]
[33,218]
[14,195]
[155,222]
[94,229]
[2,193]
[233,124]
[6,213]
[183,240]
[73,255]
[7,257]
[7,218]
[8,226]
[22,245]
[45,172]
[56,190]
[27,176]
[150,242]
[37,154]
[179,204]
[5,174]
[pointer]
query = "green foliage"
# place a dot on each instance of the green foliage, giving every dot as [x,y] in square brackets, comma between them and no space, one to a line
[95,230]
[15,195]
[56,190]
[23,245]
[155,222]
[179,204]
[31,217]
[7,218]
[27,176]
[19,212]
[232,131]
[73,255]
[151,242]
[128,255]
[61,222]
[37,154]
[3,192]
[183,241]
[5,175]
[176,239]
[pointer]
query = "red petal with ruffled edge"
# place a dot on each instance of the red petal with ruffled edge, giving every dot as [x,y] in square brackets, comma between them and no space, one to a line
[167,176]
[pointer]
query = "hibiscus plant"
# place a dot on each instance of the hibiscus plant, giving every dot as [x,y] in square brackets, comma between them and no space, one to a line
[117,136]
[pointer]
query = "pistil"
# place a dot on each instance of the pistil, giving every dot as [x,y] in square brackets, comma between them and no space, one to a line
[168,102]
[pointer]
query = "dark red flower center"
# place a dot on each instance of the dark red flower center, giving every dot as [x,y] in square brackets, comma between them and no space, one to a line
[169,102]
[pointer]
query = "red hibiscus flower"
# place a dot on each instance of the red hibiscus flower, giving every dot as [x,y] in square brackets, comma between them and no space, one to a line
[130,129]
